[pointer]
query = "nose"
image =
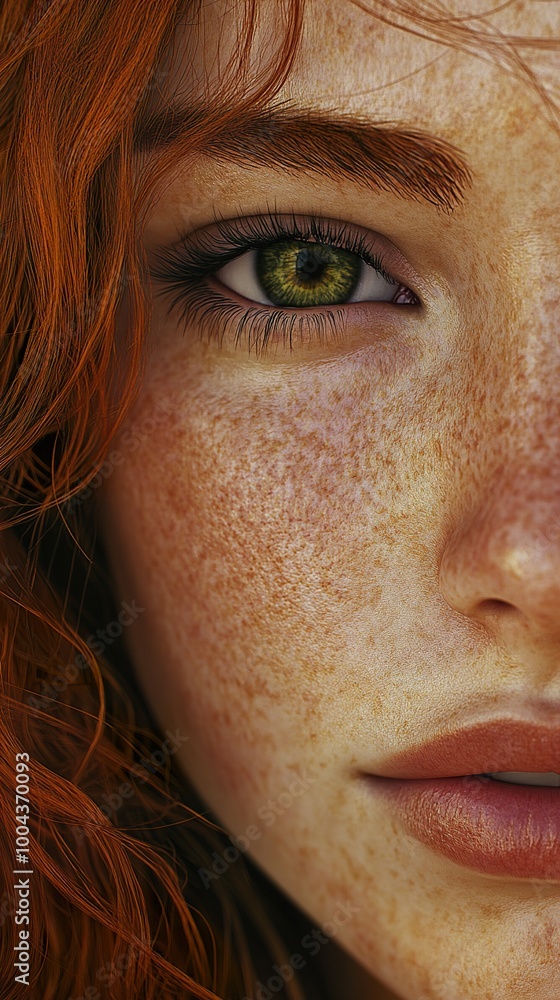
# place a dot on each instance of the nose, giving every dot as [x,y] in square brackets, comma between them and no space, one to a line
[501,565]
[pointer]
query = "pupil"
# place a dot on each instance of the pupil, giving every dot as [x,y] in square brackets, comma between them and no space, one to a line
[309,264]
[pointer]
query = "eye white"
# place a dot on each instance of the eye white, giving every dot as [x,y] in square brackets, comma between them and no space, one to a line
[240,276]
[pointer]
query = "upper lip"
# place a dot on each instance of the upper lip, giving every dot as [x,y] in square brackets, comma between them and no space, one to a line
[499,745]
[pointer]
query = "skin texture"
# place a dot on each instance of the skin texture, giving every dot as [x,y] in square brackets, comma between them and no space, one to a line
[346,551]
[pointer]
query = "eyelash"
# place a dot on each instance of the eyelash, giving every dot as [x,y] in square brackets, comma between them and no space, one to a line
[184,267]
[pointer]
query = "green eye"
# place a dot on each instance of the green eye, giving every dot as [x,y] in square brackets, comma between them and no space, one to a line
[303,274]
[296,273]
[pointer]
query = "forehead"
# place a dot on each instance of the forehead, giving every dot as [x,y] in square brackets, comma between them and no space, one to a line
[457,74]
[353,55]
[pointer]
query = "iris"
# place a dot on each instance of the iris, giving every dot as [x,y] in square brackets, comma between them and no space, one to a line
[299,273]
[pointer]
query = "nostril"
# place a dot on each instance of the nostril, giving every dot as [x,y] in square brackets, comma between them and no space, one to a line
[495,605]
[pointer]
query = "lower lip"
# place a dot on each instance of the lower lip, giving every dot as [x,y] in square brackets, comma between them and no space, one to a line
[489,826]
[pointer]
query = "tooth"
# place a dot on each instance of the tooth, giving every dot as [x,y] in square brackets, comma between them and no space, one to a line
[527,777]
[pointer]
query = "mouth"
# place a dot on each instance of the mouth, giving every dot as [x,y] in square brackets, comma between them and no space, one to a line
[486,798]
[536,778]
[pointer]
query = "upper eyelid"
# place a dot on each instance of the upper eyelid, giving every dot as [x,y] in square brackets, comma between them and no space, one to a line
[247,227]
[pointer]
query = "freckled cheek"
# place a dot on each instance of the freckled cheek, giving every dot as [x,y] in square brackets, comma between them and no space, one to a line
[249,540]
[224,535]
[257,513]
[236,749]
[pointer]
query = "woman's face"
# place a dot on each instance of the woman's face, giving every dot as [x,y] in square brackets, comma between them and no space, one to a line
[348,549]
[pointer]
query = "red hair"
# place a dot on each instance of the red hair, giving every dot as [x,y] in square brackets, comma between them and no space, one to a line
[114,894]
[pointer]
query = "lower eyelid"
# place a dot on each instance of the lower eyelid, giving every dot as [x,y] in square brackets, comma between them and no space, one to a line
[215,314]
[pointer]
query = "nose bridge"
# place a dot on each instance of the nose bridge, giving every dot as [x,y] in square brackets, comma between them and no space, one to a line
[501,562]
[529,399]
[522,479]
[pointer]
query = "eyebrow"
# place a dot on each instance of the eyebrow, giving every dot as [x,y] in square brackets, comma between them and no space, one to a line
[410,163]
